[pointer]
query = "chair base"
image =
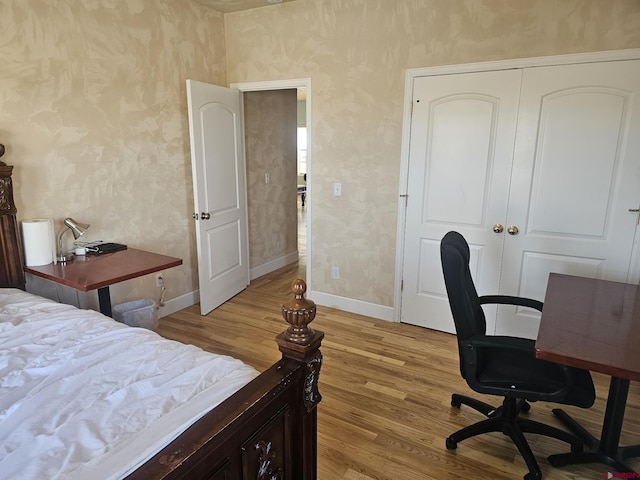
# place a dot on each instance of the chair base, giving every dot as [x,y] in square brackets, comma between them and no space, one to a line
[506,419]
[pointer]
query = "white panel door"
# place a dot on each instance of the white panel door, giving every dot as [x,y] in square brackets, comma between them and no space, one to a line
[461,150]
[576,174]
[218,163]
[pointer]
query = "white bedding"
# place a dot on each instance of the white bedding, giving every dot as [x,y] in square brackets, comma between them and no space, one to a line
[84,397]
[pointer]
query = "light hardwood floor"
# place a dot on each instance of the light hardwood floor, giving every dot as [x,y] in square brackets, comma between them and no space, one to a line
[386,390]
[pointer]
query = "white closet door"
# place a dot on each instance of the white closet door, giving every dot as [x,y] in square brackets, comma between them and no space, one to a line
[461,147]
[576,174]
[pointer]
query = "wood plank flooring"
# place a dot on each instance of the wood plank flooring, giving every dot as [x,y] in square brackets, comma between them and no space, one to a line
[386,390]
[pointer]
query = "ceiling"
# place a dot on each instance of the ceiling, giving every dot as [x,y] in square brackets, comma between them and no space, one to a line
[227,6]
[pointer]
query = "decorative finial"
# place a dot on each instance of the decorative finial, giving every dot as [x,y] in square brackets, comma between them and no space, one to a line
[299,313]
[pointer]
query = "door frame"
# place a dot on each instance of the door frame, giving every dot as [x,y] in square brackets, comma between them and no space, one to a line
[282,85]
[412,73]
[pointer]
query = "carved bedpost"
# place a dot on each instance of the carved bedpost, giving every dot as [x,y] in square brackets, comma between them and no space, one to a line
[11,254]
[299,313]
[301,343]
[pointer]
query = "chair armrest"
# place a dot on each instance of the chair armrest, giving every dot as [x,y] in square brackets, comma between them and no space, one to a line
[508,300]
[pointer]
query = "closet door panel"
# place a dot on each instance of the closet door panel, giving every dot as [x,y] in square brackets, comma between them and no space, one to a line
[575,176]
[463,164]
[576,162]
[461,149]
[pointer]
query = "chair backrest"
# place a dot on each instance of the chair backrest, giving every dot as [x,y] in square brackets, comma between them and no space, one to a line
[468,316]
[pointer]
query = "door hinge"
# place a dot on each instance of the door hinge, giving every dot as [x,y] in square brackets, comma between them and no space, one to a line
[401,285]
[406,198]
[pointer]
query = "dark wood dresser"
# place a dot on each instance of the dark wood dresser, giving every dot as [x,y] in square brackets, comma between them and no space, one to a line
[11,254]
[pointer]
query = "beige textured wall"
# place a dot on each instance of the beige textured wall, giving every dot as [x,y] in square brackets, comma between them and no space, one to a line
[94,117]
[356,53]
[93,110]
[270,119]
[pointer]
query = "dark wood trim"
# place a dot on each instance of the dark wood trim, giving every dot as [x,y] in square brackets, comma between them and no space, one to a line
[11,254]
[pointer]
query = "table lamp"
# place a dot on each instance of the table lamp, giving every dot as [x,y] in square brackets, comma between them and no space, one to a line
[78,229]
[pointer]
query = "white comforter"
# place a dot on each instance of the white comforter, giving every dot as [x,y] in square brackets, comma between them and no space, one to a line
[84,397]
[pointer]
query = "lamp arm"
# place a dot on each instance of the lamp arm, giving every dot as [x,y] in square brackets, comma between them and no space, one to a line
[60,235]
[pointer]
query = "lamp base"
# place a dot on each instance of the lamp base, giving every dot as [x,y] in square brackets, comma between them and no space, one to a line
[65,257]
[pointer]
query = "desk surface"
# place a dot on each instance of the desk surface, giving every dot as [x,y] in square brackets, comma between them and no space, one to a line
[90,272]
[591,324]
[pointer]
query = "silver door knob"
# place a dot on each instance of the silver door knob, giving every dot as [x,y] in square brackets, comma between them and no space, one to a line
[513,230]
[497,228]
[205,216]
[195,215]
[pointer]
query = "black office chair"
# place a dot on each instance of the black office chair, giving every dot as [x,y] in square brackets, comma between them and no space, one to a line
[504,366]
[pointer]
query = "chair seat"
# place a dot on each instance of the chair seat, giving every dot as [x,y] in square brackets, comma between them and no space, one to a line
[533,379]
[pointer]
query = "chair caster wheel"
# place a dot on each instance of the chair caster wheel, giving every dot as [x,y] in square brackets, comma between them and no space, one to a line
[533,476]
[525,407]
[451,445]
[455,401]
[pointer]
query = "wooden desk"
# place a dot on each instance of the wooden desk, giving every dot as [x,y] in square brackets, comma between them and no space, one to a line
[91,272]
[595,325]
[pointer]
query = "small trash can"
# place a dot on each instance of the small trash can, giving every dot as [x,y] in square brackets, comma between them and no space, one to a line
[138,313]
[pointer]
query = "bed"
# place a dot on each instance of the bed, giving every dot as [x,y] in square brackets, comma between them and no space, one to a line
[255,426]
[82,396]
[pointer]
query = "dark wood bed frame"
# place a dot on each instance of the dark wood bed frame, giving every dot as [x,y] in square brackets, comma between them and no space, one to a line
[265,431]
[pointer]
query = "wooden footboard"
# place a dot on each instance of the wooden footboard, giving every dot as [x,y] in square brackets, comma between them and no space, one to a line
[265,431]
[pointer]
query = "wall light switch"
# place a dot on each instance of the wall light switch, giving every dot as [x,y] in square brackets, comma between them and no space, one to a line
[337,189]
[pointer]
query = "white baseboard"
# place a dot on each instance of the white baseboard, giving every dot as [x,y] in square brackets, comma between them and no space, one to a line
[273,265]
[179,303]
[359,307]
[374,310]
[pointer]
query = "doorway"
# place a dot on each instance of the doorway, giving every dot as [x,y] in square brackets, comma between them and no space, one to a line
[303,89]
